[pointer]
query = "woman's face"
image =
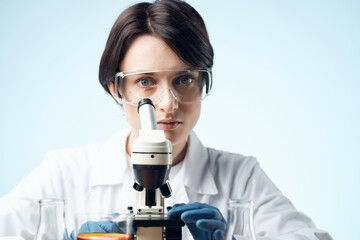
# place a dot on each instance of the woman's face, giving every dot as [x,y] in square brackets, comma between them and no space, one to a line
[148,52]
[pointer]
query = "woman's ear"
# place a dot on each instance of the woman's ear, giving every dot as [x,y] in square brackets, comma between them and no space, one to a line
[112,90]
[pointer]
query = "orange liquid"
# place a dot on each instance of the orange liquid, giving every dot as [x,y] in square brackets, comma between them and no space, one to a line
[102,236]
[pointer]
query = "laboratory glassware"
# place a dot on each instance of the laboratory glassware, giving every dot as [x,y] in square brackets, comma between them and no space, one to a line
[103,226]
[240,224]
[52,220]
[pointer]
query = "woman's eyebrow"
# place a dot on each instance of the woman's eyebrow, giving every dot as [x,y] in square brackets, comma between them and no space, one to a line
[147,73]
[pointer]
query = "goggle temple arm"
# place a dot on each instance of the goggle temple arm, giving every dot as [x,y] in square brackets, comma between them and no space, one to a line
[117,77]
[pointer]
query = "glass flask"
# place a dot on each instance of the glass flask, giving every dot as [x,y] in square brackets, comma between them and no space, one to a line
[92,226]
[240,224]
[52,220]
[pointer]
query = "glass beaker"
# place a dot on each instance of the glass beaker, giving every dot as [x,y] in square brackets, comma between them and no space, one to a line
[103,226]
[52,220]
[240,220]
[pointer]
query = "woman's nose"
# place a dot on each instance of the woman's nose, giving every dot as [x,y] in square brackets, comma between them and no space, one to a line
[168,101]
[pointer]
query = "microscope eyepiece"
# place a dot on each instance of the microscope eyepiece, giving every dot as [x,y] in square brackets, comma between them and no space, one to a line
[143,102]
[146,112]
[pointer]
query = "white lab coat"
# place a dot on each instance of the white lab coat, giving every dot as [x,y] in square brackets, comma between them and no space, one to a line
[98,178]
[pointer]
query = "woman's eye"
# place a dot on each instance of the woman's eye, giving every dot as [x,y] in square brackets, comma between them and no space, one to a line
[144,82]
[185,80]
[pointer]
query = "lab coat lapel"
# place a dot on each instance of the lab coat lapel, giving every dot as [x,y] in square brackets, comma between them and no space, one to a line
[179,195]
[110,162]
[195,177]
[197,173]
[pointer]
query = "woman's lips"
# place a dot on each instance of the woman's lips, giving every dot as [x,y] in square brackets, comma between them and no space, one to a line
[167,125]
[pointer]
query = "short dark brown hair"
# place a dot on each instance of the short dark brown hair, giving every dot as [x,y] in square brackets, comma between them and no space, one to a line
[177,23]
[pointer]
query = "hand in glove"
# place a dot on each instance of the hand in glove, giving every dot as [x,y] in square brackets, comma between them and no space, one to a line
[205,222]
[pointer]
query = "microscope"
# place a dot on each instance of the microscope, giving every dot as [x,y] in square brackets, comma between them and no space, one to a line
[151,158]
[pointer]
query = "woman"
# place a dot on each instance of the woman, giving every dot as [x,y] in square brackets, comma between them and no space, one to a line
[161,51]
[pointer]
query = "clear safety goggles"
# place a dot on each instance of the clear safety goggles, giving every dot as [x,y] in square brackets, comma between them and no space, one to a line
[185,85]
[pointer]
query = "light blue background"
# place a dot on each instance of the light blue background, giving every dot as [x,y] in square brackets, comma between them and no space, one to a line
[286,90]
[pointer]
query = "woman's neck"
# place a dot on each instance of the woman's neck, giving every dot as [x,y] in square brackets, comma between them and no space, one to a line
[178,150]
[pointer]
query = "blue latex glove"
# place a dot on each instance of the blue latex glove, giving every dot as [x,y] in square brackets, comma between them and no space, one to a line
[205,222]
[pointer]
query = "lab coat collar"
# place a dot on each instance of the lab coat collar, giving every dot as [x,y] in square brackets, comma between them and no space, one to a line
[110,163]
[197,173]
